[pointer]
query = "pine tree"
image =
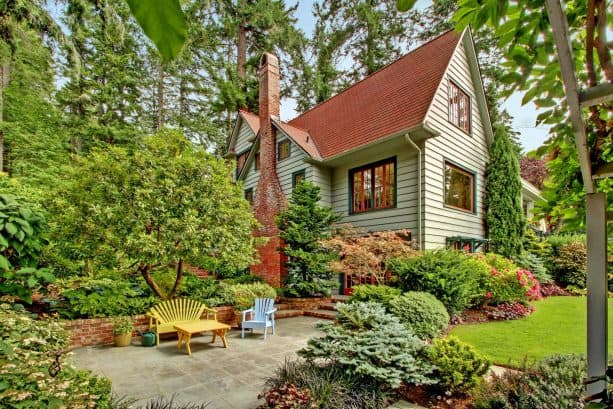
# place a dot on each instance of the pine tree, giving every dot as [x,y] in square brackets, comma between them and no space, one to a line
[504,216]
[303,225]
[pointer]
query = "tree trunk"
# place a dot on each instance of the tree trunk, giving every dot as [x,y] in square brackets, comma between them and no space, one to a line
[178,279]
[183,105]
[145,271]
[160,98]
[4,81]
[241,54]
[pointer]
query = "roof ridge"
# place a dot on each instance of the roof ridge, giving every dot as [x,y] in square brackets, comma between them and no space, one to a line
[373,74]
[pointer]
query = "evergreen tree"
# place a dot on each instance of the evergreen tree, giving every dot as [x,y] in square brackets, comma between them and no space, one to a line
[504,216]
[103,93]
[303,225]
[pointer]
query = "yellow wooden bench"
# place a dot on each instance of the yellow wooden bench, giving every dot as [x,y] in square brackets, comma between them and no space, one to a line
[165,315]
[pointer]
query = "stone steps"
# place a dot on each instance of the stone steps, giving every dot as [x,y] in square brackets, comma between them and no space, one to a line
[330,306]
[339,298]
[323,314]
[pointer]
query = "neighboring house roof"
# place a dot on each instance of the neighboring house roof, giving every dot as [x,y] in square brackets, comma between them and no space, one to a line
[391,100]
[530,191]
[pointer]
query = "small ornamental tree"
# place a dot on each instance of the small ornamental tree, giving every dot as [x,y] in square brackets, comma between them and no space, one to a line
[303,226]
[164,203]
[504,217]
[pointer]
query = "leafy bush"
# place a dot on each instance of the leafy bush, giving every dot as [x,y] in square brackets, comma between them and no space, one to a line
[26,347]
[368,342]
[242,296]
[421,312]
[452,277]
[330,386]
[382,294]
[105,297]
[459,367]
[509,311]
[554,382]
[20,247]
[287,396]
[205,290]
[570,264]
[507,283]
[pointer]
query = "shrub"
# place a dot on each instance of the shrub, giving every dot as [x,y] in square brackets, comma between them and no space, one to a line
[368,342]
[554,382]
[551,289]
[105,297]
[242,296]
[459,367]
[287,396]
[330,386]
[570,264]
[206,290]
[452,277]
[535,264]
[507,283]
[382,294]
[26,347]
[509,311]
[122,325]
[421,312]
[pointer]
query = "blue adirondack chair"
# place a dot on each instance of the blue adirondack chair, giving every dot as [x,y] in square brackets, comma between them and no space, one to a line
[261,315]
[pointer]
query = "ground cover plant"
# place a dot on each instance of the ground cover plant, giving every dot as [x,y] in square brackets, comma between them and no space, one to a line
[561,321]
[27,361]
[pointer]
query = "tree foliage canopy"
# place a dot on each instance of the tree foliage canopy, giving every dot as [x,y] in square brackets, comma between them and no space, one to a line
[163,203]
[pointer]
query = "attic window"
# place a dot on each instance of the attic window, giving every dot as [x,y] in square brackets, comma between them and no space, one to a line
[459,107]
[249,196]
[256,161]
[283,149]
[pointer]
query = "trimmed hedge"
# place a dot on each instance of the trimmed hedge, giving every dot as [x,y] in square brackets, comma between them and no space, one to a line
[421,312]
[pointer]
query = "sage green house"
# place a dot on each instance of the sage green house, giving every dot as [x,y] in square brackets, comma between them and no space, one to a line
[405,148]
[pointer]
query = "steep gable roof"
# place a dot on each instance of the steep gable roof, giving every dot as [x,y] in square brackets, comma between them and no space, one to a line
[252,120]
[391,100]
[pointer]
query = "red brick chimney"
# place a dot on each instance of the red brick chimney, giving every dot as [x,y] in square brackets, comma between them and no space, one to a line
[269,199]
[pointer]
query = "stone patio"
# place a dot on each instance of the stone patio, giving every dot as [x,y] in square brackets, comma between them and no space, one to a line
[228,378]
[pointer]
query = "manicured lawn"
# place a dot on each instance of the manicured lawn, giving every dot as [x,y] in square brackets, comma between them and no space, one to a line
[558,325]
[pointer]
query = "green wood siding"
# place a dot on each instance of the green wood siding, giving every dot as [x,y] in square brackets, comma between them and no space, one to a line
[404,215]
[470,151]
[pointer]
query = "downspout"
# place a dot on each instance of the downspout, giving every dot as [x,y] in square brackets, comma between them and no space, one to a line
[428,128]
[419,182]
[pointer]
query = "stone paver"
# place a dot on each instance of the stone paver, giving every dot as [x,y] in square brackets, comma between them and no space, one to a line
[229,378]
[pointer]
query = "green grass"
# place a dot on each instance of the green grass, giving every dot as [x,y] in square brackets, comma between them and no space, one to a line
[558,326]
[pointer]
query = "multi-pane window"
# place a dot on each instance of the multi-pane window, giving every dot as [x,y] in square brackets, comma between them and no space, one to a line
[297,178]
[373,186]
[256,161]
[240,162]
[459,188]
[283,149]
[459,107]
[249,195]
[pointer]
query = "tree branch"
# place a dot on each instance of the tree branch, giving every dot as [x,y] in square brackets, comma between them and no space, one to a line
[601,42]
[145,271]
[590,25]
[178,279]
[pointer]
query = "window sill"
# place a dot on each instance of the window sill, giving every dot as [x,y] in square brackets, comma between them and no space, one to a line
[372,210]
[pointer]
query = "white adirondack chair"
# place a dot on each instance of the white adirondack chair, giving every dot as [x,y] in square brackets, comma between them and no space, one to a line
[261,315]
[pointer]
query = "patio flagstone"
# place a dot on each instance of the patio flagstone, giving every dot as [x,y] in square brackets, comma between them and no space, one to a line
[229,378]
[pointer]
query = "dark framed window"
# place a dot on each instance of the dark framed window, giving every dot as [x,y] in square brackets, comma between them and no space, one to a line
[283,149]
[240,161]
[459,107]
[249,195]
[373,186]
[297,177]
[256,161]
[459,188]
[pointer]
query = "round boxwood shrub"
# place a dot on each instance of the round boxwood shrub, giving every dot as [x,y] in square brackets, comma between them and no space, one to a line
[421,312]
[382,294]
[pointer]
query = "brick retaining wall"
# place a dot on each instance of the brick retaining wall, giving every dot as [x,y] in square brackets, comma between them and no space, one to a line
[99,331]
[303,303]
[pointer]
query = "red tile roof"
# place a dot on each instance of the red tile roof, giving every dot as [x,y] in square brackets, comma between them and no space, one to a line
[252,120]
[392,99]
[301,137]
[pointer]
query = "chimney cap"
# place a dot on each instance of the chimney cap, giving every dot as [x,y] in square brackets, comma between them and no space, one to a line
[269,59]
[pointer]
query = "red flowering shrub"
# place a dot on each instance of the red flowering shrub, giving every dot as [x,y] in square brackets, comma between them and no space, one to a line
[551,289]
[287,396]
[509,311]
[530,284]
